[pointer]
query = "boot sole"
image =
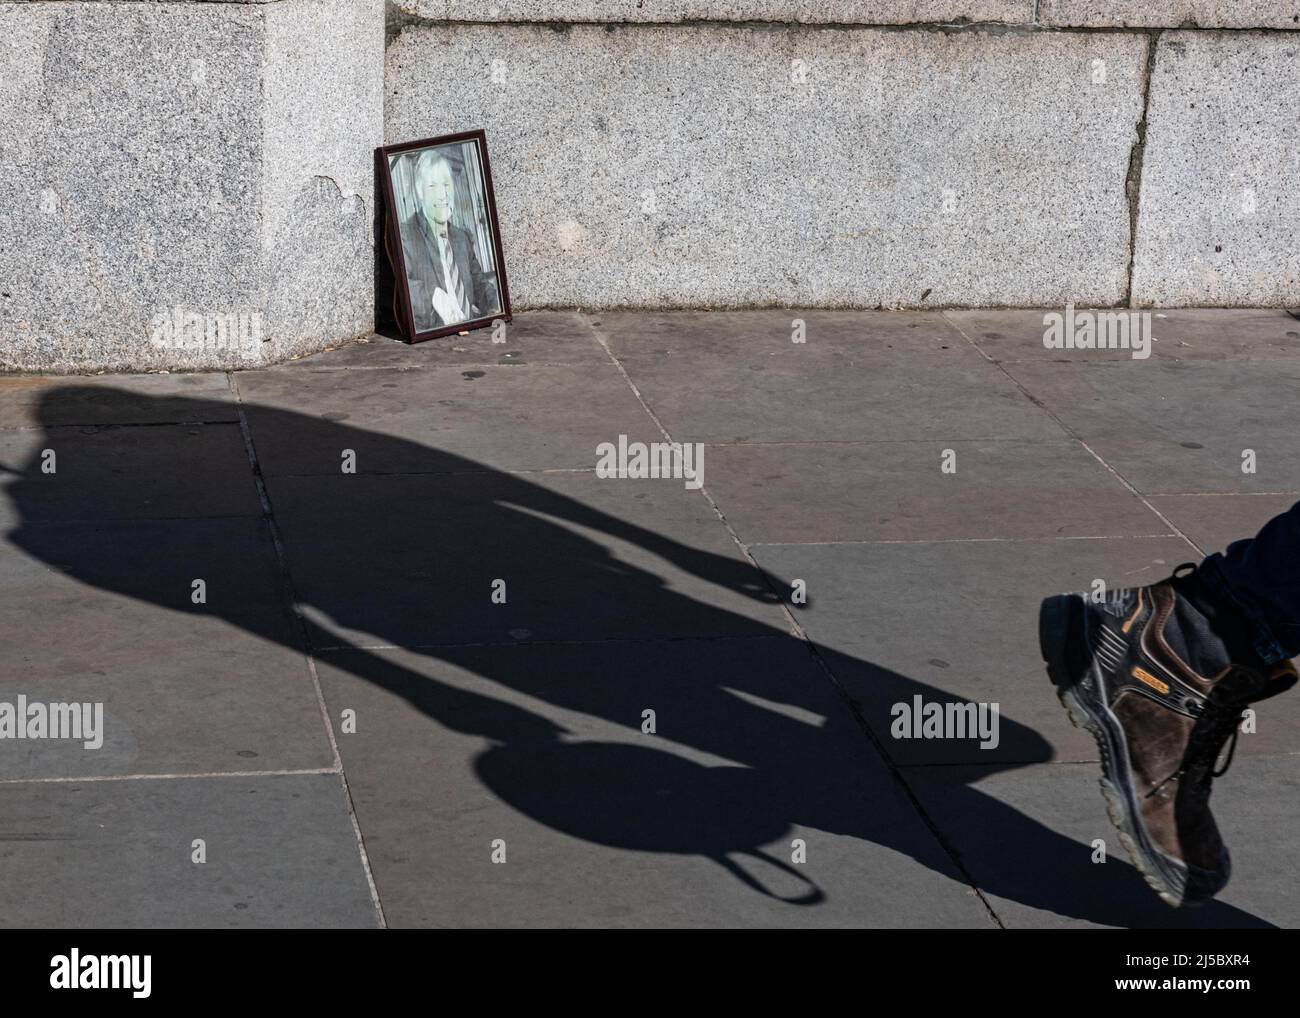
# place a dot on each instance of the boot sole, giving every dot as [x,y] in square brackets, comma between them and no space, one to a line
[1080,686]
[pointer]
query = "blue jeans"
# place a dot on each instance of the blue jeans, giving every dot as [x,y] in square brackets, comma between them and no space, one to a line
[1260,577]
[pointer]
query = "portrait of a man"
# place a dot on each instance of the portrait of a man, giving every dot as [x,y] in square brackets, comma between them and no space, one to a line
[450,247]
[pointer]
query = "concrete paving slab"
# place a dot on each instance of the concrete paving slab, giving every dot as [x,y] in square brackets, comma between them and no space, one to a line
[1199,334]
[103,614]
[1181,428]
[1215,521]
[126,473]
[538,752]
[857,376]
[412,559]
[440,421]
[280,853]
[1027,838]
[534,337]
[896,491]
[34,400]
[958,623]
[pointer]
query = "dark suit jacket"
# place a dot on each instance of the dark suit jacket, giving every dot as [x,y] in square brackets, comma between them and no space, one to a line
[424,272]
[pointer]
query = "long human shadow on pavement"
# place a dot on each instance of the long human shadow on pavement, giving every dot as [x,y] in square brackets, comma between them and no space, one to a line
[438,524]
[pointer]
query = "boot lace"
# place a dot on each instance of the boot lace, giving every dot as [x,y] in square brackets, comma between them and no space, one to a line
[1218,723]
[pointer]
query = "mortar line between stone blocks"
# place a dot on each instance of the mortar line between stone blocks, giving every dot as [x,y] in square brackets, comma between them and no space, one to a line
[400,20]
[1136,160]
[798,631]
[1200,552]
[289,593]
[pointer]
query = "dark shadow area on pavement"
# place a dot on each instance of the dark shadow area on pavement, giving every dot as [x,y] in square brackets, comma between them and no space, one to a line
[396,568]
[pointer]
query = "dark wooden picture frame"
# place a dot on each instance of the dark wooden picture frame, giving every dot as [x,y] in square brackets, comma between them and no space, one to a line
[470,214]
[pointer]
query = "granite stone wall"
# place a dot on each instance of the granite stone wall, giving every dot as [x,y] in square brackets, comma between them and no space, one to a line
[189,183]
[186,184]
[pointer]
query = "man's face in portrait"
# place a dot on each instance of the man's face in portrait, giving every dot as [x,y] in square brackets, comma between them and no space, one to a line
[437,192]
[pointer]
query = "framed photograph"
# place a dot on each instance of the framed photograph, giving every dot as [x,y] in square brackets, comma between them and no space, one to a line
[442,236]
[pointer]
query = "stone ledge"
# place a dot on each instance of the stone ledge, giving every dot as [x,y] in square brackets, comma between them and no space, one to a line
[848,12]
[158,2]
[1109,14]
[1277,14]
[1132,14]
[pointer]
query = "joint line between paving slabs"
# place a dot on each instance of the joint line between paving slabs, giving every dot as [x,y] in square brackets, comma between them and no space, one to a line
[289,593]
[584,642]
[798,631]
[965,540]
[179,776]
[1177,532]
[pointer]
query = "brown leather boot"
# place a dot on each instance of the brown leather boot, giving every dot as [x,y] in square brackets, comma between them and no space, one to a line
[1161,683]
